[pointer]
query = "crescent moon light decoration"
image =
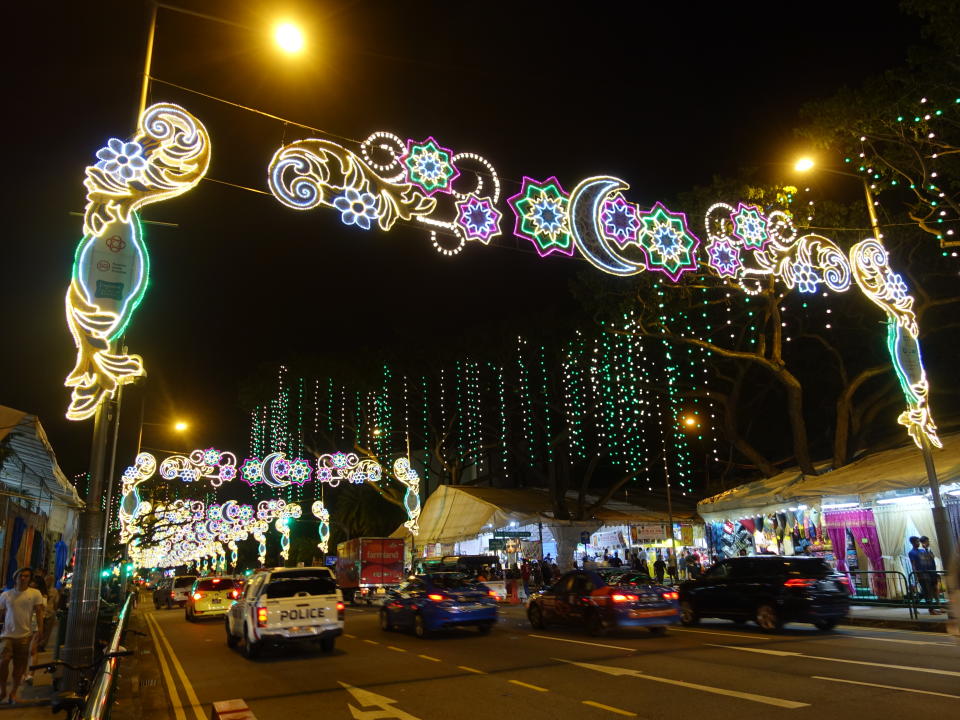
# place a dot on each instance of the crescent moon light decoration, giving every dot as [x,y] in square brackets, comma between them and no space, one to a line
[595,220]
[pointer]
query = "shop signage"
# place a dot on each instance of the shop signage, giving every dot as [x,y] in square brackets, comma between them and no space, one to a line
[647,533]
[498,544]
[511,534]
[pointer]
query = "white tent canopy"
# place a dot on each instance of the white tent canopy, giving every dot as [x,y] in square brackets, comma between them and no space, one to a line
[898,469]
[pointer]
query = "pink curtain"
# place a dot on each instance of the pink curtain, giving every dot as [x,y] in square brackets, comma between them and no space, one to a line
[863,527]
[837,532]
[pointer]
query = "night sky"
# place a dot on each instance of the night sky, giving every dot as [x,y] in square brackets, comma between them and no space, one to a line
[664,95]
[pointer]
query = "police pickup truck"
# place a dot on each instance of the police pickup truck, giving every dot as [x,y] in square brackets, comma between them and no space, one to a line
[283,605]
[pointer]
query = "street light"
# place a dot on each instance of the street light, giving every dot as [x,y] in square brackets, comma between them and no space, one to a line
[807,163]
[289,38]
[180,426]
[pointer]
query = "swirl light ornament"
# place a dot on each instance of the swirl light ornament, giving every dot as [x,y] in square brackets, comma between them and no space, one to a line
[168,155]
[323,515]
[886,289]
[312,173]
[217,466]
[332,468]
[411,498]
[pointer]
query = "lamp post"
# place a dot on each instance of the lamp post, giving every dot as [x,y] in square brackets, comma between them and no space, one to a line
[940,523]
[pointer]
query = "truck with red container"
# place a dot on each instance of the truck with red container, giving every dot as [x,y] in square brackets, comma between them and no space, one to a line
[367,567]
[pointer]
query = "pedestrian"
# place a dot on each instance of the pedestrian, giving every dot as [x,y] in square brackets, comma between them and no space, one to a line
[682,566]
[672,568]
[693,566]
[925,570]
[546,571]
[37,583]
[49,613]
[20,606]
[659,567]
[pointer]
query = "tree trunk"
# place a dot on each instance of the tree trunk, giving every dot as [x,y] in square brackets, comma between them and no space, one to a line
[798,429]
[841,437]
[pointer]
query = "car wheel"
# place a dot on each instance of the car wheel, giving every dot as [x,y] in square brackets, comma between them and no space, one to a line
[251,649]
[385,623]
[657,630]
[231,638]
[187,615]
[596,625]
[535,616]
[825,625]
[327,644]
[768,618]
[483,629]
[688,616]
[419,626]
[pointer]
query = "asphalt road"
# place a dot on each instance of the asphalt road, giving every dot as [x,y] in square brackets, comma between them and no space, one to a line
[517,672]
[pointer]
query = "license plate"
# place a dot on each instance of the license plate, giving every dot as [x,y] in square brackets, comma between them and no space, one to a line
[381,591]
[215,601]
[651,613]
[469,606]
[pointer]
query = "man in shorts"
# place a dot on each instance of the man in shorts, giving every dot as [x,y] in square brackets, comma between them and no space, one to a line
[17,607]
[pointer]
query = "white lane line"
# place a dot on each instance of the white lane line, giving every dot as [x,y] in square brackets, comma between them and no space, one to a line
[470,669]
[428,657]
[712,632]
[609,708]
[641,675]
[783,653]
[528,685]
[583,642]
[894,640]
[887,687]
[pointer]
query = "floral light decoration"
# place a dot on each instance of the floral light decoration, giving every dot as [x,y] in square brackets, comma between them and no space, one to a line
[215,465]
[750,226]
[168,155]
[429,166]
[356,208]
[478,218]
[619,220]
[332,468]
[724,257]
[541,215]
[667,243]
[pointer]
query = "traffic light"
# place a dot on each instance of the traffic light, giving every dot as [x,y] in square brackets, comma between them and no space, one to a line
[105,573]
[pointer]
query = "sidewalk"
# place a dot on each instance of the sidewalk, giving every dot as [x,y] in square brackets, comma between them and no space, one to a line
[899,618]
[35,696]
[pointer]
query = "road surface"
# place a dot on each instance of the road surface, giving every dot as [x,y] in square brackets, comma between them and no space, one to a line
[716,670]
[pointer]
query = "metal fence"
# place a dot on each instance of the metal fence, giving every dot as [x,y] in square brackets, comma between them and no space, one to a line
[929,589]
[888,588]
[99,698]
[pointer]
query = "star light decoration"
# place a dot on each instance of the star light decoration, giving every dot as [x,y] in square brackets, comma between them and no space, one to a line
[750,226]
[619,221]
[429,166]
[542,218]
[478,218]
[724,257]
[667,243]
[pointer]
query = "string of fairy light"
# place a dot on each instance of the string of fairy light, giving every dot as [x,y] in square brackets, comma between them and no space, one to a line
[619,395]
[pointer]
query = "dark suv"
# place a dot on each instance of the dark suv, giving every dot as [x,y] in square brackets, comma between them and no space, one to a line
[769,589]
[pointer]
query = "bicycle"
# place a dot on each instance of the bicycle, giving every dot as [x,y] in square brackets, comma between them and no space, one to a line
[73,703]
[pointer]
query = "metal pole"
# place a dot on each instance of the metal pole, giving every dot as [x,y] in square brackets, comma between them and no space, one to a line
[85,591]
[112,471]
[147,62]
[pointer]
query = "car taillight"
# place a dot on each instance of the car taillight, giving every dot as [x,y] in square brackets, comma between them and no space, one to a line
[435,597]
[340,609]
[261,616]
[799,582]
[215,581]
[198,596]
[494,595]
[173,593]
[671,595]
[622,598]
[234,594]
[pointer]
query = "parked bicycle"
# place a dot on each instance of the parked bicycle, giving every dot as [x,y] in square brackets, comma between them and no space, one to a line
[73,703]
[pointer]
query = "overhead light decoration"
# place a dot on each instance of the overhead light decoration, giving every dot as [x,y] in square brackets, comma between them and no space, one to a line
[323,515]
[168,155]
[667,242]
[411,498]
[540,209]
[429,166]
[211,464]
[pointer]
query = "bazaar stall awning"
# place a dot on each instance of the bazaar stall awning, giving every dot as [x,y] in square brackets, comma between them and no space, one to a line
[456,512]
[30,471]
[897,469]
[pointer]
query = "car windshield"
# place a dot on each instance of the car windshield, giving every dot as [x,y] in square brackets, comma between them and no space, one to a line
[453,581]
[215,584]
[630,579]
[310,582]
[184,581]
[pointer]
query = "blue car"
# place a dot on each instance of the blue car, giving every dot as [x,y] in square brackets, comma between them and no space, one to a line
[436,601]
[607,600]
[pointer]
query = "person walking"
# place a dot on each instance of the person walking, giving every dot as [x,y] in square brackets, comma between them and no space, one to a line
[20,606]
[672,568]
[925,569]
[525,577]
[659,568]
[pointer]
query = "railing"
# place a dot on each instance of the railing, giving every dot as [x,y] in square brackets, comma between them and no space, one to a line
[886,588]
[97,706]
[930,588]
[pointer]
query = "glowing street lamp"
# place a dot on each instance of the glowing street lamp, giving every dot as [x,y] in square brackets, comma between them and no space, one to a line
[289,38]
[180,426]
[803,164]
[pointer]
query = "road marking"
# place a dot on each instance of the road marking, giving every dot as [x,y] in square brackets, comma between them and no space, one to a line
[888,687]
[428,657]
[348,635]
[608,708]
[383,705]
[371,642]
[470,669]
[395,649]
[583,642]
[528,685]
[713,632]
[783,653]
[187,687]
[171,687]
[639,674]
[894,640]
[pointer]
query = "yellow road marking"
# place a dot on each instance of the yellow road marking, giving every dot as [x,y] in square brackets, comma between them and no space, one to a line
[618,711]
[165,669]
[348,635]
[372,642]
[470,669]
[528,685]
[888,687]
[188,688]
[427,657]
[395,649]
